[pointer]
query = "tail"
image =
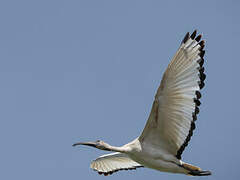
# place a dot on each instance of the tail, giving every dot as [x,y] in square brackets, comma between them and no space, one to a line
[195,171]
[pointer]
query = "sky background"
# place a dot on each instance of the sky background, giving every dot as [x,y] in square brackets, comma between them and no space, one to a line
[86,70]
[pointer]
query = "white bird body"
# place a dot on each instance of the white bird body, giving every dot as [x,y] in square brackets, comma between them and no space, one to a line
[154,157]
[171,122]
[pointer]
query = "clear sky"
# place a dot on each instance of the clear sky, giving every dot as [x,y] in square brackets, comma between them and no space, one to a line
[86,70]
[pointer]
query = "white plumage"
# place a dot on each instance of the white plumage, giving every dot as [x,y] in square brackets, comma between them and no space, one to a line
[114,162]
[171,122]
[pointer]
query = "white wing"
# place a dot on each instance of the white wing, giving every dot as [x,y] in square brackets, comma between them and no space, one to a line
[110,163]
[171,121]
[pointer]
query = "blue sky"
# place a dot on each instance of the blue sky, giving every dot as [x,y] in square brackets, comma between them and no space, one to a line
[86,70]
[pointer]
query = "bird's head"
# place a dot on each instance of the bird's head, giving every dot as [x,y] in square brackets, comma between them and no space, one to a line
[97,144]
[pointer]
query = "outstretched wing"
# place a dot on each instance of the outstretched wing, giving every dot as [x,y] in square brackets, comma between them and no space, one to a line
[175,108]
[110,163]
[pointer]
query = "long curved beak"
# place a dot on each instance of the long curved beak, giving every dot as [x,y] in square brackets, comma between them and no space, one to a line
[92,144]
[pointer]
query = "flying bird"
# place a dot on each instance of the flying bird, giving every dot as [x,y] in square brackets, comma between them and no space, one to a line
[171,121]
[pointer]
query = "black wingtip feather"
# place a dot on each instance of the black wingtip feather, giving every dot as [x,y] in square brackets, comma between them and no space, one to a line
[202,76]
[198,94]
[198,38]
[186,38]
[193,35]
[193,126]
[202,53]
[194,116]
[201,69]
[201,84]
[197,102]
[201,62]
[197,110]
[202,43]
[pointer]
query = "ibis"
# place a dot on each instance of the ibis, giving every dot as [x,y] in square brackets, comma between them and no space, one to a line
[171,122]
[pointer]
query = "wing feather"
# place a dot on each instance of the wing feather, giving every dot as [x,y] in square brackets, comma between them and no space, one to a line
[110,163]
[175,108]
